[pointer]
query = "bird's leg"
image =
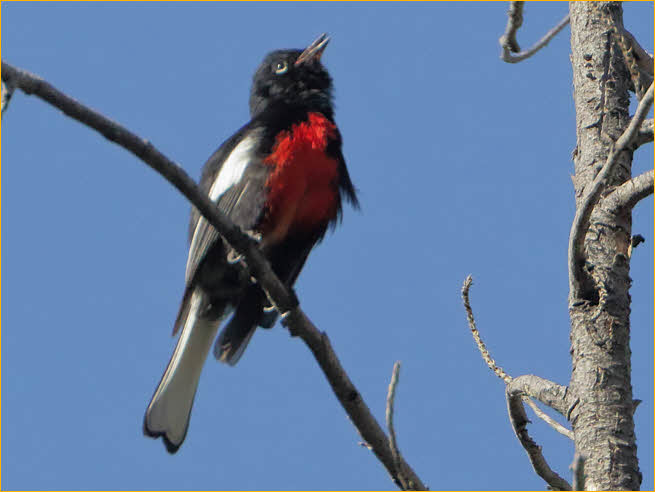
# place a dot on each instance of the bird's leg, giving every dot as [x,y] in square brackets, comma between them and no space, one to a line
[234,257]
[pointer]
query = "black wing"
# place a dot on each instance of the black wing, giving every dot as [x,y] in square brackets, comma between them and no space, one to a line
[234,177]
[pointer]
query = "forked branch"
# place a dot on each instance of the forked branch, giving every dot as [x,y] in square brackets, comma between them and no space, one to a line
[521,389]
[508,41]
[519,421]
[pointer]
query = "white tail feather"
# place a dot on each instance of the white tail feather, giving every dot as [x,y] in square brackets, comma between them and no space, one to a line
[170,408]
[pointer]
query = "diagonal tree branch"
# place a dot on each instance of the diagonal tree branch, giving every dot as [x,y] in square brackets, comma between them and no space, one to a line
[548,419]
[519,421]
[284,299]
[173,173]
[350,399]
[583,213]
[508,41]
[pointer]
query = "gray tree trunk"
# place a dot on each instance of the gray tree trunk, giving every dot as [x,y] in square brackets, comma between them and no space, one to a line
[602,419]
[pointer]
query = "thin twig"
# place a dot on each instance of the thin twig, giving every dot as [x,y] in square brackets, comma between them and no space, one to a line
[548,419]
[508,41]
[284,299]
[551,394]
[580,224]
[491,363]
[391,398]
[626,196]
[519,421]
[349,397]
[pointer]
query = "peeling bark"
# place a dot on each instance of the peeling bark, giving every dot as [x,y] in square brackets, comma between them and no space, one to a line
[600,315]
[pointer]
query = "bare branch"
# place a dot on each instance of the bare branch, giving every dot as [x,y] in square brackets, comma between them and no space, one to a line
[550,394]
[583,213]
[285,300]
[548,419]
[578,472]
[497,370]
[391,398]
[514,23]
[626,196]
[519,421]
[547,392]
[508,41]
[350,399]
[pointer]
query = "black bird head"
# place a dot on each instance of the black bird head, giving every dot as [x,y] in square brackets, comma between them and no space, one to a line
[293,79]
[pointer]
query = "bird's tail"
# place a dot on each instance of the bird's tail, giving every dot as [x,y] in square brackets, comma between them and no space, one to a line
[170,408]
[236,335]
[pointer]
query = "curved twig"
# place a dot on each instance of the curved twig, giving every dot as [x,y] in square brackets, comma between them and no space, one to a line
[551,394]
[583,213]
[391,398]
[519,421]
[491,363]
[284,299]
[508,41]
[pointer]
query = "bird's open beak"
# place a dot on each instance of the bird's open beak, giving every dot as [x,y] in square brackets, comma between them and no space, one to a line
[314,50]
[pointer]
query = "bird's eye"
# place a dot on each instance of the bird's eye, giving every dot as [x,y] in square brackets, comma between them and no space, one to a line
[280,67]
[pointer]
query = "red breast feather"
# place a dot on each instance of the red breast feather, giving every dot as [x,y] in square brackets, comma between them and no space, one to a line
[302,186]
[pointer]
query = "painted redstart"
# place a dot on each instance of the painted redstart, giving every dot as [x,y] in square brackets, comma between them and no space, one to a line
[281,178]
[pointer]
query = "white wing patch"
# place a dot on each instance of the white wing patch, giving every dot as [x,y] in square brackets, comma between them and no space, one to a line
[230,174]
[233,167]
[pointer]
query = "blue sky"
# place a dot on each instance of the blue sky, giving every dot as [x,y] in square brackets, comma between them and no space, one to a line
[463,166]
